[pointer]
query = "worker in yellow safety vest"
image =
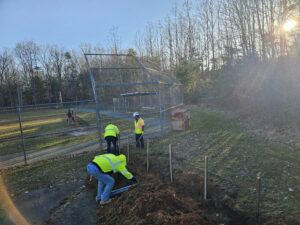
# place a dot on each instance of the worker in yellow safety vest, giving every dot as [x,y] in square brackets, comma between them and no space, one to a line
[139,128]
[111,135]
[99,168]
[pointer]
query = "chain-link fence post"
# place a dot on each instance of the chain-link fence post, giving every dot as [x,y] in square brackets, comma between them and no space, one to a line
[20,125]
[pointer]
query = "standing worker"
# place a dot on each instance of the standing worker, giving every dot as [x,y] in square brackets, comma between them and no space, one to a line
[139,128]
[103,164]
[111,135]
[69,116]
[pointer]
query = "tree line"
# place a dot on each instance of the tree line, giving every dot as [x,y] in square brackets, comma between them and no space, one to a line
[213,33]
[201,38]
[41,74]
[195,41]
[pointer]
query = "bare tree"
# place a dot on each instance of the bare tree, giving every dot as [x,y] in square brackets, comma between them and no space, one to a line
[28,54]
[170,42]
[46,63]
[139,43]
[58,61]
[114,41]
[149,40]
[5,61]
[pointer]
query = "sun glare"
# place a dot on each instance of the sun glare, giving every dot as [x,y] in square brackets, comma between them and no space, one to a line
[9,207]
[289,25]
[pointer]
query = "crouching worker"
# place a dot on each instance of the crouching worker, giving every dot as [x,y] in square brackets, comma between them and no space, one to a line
[99,168]
[111,135]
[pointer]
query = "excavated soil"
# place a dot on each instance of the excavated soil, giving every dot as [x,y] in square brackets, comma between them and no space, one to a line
[152,202]
[155,201]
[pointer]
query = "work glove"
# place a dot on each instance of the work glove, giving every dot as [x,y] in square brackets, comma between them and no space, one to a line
[133,180]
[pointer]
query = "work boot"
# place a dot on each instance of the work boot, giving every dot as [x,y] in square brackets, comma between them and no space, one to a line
[97,199]
[105,202]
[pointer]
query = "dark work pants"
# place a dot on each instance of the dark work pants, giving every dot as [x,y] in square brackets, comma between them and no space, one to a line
[139,140]
[113,140]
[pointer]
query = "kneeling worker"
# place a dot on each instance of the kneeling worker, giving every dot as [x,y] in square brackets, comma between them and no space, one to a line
[103,164]
[111,135]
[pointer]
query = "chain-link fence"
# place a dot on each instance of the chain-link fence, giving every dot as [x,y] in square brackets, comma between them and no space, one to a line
[123,84]
[35,132]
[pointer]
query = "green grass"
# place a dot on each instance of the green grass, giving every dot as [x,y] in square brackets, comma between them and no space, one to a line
[212,121]
[48,121]
[31,177]
[31,114]
[37,123]
[235,158]
[42,143]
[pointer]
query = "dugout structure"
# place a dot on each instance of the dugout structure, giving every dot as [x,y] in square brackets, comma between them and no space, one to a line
[123,84]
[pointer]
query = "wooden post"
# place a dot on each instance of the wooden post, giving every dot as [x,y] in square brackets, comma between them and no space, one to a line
[258,188]
[205,177]
[128,149]
[170,154]
[147,154]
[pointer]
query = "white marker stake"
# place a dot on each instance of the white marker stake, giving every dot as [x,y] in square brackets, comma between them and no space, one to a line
[205,177]
[147,155]
[128,149]
[170,153]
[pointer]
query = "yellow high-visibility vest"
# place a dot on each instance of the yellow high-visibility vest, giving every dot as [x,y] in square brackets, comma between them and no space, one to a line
[138,126]
[112,163]
[111,130]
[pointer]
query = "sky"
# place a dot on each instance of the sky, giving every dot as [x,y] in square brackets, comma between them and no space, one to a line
[69,23]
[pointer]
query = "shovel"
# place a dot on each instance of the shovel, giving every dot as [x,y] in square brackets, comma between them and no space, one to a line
[119,191]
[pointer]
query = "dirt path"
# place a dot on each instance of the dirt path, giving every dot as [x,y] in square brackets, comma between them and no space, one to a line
[71,198]
[35,156]
[77,209]
[17,159]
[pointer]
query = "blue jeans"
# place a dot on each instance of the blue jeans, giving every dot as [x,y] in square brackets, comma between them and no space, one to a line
[139,140]
[105,182]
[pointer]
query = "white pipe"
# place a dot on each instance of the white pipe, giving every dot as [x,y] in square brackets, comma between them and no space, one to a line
[205,177]
[147,154]
[170,153]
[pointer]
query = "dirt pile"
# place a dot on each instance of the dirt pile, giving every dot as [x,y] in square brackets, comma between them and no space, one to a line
[152,202]
[156,202]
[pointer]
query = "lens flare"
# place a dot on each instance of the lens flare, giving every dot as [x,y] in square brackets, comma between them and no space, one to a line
[9,207]
[289,25]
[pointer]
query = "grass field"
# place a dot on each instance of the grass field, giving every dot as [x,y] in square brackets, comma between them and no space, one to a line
[46,173]
[234,157]
[38,123]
